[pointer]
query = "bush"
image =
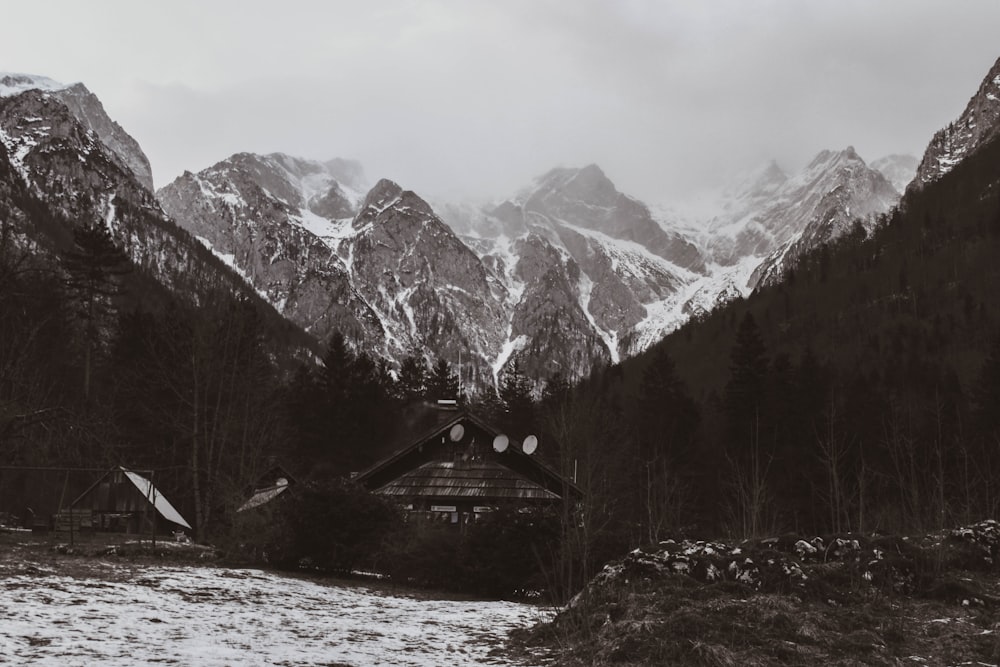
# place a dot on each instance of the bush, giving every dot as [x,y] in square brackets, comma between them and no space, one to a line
[336,526]
[340,527]
[507,554]
[511,552]
[425,554]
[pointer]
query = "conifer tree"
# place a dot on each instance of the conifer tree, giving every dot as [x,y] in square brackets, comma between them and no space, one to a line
[94,266]
[515,393]
[412,382]
[443,382]
[748,370]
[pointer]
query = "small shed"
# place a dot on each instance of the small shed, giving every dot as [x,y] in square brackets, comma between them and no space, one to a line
[125,501]
[462,468]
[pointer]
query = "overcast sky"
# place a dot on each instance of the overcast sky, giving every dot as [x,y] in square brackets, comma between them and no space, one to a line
[474,97]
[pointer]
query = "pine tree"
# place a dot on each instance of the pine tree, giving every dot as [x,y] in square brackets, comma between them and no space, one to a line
[987,393]
[412,384]
[519,406]
[338,367]
[557,389]
[748,371]
[443,382]
[94,266]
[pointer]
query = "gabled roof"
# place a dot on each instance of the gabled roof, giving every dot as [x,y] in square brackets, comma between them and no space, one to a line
[159,501]
[465,479]
[445,426]
[147,491]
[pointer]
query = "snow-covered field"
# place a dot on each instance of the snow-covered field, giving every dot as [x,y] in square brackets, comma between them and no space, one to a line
[110,614]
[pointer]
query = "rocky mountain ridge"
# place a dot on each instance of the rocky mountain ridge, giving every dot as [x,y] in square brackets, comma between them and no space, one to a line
[566,273]
[977,125]
[88,110]
[854,193]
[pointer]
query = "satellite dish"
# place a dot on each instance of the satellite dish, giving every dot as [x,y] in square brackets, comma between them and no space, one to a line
[500,443]
[281,481]
[530,444]
[456,433]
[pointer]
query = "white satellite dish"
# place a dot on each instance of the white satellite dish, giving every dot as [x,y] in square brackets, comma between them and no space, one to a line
[500,443]
[456,433]
[530,444]
[281,481]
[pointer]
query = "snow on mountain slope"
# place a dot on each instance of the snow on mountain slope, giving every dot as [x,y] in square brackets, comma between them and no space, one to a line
[858,193]
[588,199]
[696,299]
[774,210]
[267,212]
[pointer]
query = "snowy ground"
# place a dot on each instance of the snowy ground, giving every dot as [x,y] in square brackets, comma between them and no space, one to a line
[112,614]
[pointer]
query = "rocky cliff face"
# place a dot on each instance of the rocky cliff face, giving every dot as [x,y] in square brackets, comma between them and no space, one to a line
[88,110]
[978,124]
[558,278]
[430,291]
[572,244]
[264,215]
[381,268]
[85,106]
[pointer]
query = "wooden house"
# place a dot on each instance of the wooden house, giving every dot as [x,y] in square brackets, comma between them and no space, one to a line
[463,468]
[124,501]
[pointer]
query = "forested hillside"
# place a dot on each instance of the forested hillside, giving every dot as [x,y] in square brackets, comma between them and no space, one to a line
[860,393]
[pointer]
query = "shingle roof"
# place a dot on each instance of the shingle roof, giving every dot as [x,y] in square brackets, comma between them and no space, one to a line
[465,479]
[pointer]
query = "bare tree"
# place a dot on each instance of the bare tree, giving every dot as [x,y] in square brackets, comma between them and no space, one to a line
[751,500]
[834,449]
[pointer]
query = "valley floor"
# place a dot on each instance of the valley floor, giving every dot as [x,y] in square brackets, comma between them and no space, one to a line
[72,610]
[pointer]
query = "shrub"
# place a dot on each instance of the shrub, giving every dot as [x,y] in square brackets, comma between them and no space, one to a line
[335,526]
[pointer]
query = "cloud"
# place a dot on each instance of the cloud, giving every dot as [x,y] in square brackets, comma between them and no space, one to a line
[477,97]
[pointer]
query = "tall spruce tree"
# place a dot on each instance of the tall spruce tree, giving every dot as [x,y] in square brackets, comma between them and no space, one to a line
[519,406]
[93,267]
[412,384]
[443,382]
[748,372]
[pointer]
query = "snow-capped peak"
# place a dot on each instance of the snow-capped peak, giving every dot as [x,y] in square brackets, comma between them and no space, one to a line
[12,83]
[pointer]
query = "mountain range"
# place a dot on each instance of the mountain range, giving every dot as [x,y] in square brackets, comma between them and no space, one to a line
[567,273]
